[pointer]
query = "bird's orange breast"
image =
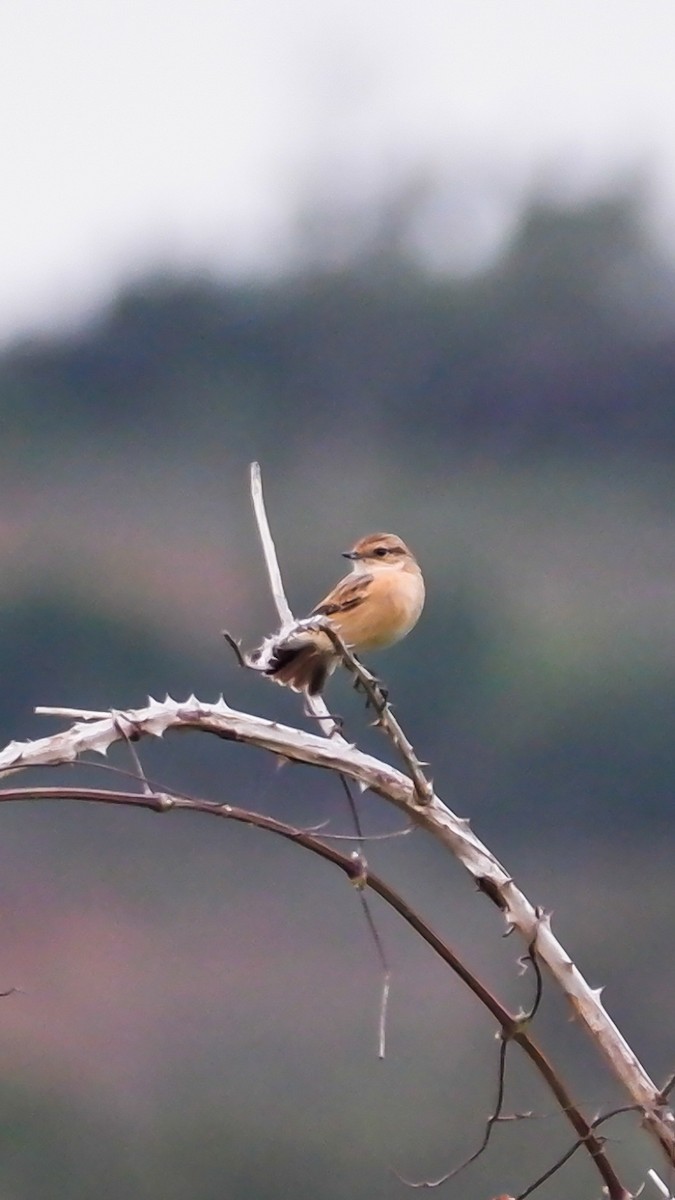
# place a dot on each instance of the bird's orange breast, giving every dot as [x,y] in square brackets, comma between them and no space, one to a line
[390,608]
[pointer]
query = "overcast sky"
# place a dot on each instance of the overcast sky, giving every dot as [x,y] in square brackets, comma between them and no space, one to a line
[136,132]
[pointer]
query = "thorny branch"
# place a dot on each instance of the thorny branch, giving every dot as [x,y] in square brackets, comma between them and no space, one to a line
[98,730]
[513,1028]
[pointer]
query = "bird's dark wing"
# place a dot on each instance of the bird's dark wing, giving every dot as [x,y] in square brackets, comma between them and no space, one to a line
[346,595]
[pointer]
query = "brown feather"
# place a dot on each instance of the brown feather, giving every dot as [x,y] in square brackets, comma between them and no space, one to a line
[300,668]
[346,595]
[378,603]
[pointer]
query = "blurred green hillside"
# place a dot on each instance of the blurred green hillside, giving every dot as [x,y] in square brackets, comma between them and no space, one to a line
[517,426]
[562,346]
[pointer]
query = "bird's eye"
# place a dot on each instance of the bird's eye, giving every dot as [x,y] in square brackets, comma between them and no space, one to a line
[381,551]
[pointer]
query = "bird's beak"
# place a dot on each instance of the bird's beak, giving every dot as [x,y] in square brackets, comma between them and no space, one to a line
[349,554]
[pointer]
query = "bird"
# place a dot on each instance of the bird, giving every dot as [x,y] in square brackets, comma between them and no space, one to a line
[375,605]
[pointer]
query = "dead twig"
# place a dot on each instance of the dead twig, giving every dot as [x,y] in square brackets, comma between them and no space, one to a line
[315,704]
[581,1141]
[493,1119]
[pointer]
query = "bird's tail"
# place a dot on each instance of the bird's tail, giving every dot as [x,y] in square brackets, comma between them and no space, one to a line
[300,659]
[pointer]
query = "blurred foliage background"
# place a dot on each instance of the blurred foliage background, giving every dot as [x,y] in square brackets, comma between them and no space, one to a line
[198,1013]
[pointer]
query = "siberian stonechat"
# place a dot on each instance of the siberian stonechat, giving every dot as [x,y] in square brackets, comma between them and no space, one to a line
[377,604]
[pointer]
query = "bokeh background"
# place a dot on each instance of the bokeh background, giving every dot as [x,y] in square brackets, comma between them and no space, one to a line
[418,261]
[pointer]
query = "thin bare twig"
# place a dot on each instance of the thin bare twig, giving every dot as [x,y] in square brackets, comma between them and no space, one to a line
[517,1033]
[571,1150]
[315,704]
[493,1119]
[140,773]
[660,1185]
[557,1166]
[370,921]
[370,837]
[530,959]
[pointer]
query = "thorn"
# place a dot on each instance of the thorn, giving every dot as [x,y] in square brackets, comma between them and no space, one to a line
[360,878]
[235,646]
[543,918]
[338,721]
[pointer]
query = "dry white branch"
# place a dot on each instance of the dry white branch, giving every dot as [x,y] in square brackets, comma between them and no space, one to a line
[659,1184]
[269,551]
[315,704]
[95,732]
